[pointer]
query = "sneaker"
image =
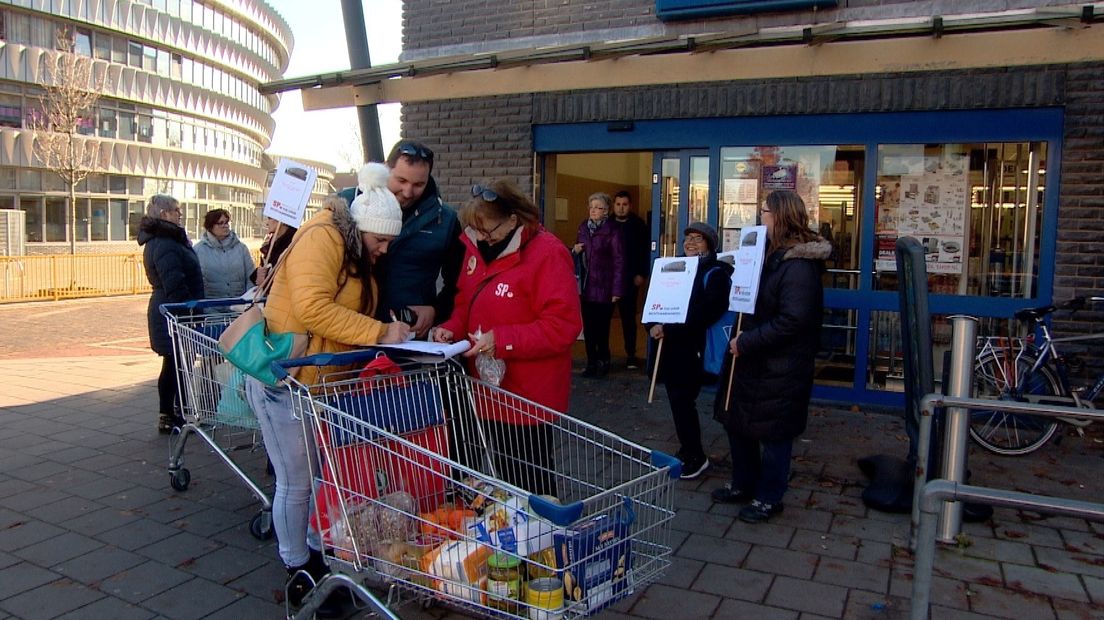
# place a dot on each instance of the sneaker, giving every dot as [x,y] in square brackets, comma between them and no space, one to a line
[758,512]
[632,364]
[726,495]
[694,467]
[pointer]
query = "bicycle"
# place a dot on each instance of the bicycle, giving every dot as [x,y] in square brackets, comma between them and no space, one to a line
[1037,373]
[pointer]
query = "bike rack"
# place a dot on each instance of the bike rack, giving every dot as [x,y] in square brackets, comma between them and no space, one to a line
[930,498]
[936,493]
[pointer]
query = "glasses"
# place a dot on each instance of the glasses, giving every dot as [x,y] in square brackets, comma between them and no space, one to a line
[223,222]
[487,233]
[600,207]
[486,193]
[416,152]
[693,239]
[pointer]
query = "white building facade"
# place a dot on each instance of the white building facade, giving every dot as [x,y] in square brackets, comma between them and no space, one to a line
[181,113]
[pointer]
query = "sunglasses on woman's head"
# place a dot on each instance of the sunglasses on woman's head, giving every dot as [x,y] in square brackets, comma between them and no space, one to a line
[486,193]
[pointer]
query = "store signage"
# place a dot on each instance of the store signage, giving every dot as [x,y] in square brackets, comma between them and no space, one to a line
[691,9]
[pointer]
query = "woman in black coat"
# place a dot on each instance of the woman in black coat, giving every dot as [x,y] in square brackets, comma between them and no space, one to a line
[680,364]
[173,270]
[774,357]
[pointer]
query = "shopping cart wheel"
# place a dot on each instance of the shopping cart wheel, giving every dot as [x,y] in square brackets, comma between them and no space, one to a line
[180,479]
[261,525]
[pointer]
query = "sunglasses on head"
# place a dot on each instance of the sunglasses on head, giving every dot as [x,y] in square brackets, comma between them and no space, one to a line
[416,152]
[485,193]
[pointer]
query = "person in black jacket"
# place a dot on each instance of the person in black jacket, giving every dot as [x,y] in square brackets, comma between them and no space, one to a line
[774,357]
[173,270]
[638,263]
[680,363]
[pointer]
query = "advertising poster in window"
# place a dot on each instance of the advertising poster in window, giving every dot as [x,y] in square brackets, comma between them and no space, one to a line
[740,196]
[929,204]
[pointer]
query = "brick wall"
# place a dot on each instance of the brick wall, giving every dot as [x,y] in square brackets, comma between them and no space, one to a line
[475,140]
[1079,261]
[449,23]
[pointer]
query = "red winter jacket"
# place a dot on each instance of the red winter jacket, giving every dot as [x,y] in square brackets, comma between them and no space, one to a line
[528,296]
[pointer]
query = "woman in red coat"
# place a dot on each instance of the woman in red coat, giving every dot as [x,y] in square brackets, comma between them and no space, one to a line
[518,301]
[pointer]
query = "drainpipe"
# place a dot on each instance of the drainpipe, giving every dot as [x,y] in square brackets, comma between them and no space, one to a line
[356,38]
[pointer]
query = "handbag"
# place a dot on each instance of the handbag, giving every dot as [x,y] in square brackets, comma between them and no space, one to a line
[248,344]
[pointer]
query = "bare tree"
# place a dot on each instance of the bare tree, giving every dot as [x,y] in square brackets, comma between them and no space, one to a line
[72,90]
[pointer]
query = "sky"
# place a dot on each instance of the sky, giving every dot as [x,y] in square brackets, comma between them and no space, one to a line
[328,135]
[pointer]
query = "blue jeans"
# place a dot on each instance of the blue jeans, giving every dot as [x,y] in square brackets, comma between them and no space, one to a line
[761,467]
[294,456]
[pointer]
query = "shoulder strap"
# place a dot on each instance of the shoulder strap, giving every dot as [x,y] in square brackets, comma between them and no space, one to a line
[267,286]
[705,280]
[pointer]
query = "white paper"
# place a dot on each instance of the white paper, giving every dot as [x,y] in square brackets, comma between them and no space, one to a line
[290,190]
[438,349]
[748,269]
[669,289]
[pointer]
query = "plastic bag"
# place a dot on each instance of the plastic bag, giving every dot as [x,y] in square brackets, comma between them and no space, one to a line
[490,368]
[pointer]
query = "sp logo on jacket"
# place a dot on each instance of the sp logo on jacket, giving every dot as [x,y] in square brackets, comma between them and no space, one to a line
[503,290]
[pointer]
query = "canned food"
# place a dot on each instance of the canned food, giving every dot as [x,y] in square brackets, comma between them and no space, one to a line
[545,598]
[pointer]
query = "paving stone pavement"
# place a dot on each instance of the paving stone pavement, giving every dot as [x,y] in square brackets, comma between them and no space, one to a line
[90,528]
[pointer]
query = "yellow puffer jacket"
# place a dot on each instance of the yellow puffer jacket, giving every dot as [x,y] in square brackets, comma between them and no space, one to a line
[314,293]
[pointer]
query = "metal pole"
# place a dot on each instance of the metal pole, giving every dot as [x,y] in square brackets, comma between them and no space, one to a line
[957,421]
[352,11]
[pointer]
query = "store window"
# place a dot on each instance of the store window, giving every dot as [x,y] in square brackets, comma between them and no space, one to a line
[828,179]
[117,220]
[977,208]
[32,218]
[56,219]
[11,110]
[99,220]
[83,219]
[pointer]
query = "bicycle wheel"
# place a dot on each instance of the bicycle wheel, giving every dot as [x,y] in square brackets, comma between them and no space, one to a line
[1006,433]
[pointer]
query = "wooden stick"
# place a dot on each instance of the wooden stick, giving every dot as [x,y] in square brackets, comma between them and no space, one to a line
[732,367]
[655,371]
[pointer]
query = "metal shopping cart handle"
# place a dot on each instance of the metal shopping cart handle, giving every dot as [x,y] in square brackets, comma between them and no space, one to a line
[348,358]
[201,304]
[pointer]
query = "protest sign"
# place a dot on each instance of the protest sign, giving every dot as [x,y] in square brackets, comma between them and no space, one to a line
[287,196]
[748,266]
[669,290]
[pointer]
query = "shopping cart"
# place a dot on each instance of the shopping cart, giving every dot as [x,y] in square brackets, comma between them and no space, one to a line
[212,395]
[443,488]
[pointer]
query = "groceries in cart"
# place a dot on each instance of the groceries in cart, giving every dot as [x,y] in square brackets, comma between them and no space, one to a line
[414,493]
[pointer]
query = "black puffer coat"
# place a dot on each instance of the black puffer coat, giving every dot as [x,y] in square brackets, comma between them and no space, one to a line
[774,373]
[172,269]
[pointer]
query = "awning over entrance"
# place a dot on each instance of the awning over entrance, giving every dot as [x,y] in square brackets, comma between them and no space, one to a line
[1007,38]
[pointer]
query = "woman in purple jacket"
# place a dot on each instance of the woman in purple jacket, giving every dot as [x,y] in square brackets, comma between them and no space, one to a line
[600,246]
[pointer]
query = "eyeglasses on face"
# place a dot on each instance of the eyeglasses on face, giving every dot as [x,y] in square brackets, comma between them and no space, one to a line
[487,233]
[693,239]
[416,152]
[486,193]
[223,222]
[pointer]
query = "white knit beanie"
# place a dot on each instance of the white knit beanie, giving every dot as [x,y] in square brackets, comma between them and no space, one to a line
[375,209]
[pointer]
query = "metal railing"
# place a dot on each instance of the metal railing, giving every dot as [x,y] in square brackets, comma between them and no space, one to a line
[931,501]
[52,277]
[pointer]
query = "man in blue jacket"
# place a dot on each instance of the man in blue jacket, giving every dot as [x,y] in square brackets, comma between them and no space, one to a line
[428,247]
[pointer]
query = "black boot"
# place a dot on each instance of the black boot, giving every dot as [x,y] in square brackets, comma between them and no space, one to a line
[591,370]
[602,369]
[303,579]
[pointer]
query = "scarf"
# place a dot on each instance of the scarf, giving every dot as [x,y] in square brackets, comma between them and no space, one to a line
[491,251]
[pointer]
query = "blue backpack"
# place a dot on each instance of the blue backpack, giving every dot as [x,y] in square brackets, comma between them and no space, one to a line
[717,336]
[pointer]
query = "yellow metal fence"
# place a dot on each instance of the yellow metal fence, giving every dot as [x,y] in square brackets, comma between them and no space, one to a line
[51,277]
[65,276]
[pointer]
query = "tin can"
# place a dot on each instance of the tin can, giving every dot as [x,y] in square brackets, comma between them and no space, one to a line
[545,598]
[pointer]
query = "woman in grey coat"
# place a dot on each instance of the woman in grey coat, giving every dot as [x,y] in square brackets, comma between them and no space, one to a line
[226,262]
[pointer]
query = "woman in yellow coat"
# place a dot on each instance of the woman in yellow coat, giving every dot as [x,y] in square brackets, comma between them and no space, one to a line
[324,288]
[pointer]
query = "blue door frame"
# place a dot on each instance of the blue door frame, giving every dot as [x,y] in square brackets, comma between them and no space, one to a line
[869,130]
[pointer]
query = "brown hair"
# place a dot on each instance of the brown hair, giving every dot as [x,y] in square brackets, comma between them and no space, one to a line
[791,220]
[212,218]
[508,201]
